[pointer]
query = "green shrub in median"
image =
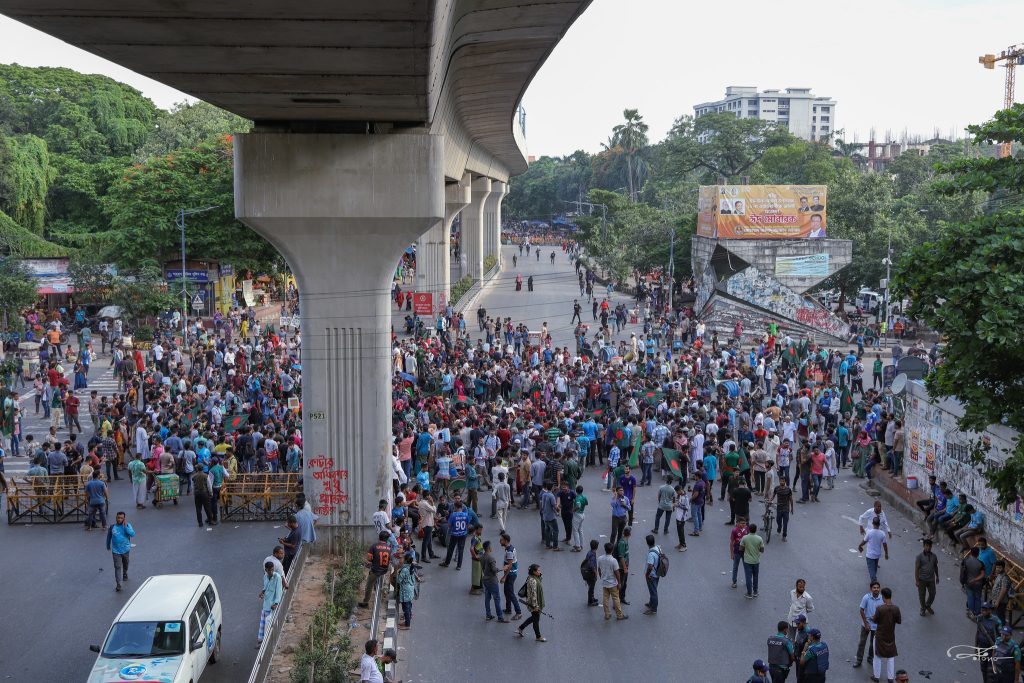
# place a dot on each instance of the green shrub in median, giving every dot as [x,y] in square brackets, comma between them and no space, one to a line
[460,288]
[490,262]
[326,649]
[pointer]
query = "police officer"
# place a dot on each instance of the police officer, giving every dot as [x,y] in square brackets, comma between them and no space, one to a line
[780,654]
[986,637]
[800,642]
[1005,660]
[760,674]
[815,658]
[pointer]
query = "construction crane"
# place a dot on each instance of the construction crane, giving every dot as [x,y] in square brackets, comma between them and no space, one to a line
[1013,56]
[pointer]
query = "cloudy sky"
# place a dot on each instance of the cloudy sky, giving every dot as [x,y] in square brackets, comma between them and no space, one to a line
[891,64]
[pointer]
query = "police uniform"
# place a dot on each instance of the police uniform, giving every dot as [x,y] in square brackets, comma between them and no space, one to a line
[780,657]
[815,663]
[1004,659]
[986,637]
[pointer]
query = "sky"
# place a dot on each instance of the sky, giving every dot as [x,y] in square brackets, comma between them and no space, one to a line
[891,64]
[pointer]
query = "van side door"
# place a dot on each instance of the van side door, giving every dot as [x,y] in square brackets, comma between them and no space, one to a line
[198,633]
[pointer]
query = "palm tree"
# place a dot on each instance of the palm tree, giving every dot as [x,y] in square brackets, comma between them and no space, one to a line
[632,137]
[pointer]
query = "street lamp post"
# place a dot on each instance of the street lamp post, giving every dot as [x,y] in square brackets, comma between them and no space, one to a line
[180,222]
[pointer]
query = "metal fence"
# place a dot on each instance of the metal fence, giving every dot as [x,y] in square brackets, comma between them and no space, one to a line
[47,500]
[259,497]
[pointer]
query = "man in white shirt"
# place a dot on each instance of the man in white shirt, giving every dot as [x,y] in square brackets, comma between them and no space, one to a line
[275,559]
[368,671]
[874,511]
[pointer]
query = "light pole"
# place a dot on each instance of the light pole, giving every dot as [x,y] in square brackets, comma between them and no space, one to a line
[671,266]
[180,222]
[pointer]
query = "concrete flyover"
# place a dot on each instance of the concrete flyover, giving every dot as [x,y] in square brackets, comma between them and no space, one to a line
[364,111]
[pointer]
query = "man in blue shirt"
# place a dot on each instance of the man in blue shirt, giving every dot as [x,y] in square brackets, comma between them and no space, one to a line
[549,517]
[987,555]
[458,524]
[119,543]
[868,604]
[627,482]
[96,491]
[620,508]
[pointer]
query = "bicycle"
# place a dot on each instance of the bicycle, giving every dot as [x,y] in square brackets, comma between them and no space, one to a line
[767,521]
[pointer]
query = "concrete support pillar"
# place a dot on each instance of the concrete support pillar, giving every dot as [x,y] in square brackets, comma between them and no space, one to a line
[473,228]
[341,209]
[492,223]
[433,249]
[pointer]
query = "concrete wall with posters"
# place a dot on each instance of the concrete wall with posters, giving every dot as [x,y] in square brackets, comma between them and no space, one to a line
[935,445]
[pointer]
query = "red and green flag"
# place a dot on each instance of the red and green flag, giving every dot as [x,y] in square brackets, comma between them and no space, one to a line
[675,461]
[235,422]
[653,397]
[190,415]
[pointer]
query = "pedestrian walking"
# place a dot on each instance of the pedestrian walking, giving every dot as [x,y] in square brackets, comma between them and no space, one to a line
[588,569]
[622,555]
[652,573]
[735,548]
[502,496]
[886,617]
[549,517]
[291,542]
[534,602]
[406,581]
[119,543]
[137,471]
[782,497]
[96,493]
[681,513]
[579,506]
[666,502]
[874,541]
[800,605]
[271,595]
[202,496]
[926,575]
[620,510]
[752,546]
[476,554]
[510,569]
[458,527]
[871,601]
[489,573]
[610,573]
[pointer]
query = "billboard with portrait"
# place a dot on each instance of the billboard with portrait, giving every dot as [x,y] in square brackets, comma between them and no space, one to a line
[763,211]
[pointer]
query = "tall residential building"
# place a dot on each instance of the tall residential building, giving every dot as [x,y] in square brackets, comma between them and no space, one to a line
[806,116]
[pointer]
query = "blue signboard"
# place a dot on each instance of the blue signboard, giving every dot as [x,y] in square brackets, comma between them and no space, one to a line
[191,274]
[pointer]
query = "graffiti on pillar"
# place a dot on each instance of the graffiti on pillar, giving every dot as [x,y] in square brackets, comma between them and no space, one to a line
[706,287]
[332,482]
[765,292]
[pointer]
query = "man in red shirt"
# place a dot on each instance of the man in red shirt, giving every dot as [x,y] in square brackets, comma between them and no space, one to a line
[817,469]
[735,550]
[71,412]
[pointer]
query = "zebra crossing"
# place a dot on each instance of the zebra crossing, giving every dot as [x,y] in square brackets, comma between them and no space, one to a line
[101,380]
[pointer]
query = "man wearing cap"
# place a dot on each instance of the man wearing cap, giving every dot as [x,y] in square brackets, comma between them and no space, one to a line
[1005,661]
[986,637]
[814,661]
[760,674]
[780,653]
[800,640]
[926,574]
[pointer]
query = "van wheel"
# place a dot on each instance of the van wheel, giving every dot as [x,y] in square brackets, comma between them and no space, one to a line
[215,655]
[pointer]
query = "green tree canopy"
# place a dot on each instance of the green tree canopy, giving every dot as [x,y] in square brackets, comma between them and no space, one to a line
[968,284]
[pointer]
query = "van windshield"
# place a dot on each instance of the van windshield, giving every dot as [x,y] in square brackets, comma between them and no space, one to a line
[145,639]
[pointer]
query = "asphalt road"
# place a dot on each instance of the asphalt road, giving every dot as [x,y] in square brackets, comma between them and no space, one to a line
[58,595]
[704,631]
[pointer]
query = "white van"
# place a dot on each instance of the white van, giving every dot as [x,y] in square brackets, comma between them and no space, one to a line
[868,300]
[168,631]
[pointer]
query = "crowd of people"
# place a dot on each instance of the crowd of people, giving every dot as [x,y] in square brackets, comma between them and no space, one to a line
[761,416]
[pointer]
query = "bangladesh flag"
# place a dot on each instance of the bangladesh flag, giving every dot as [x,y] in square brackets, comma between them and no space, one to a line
[846,401]
[675,461]
[638,441]
[235,422]
[190,415]
[653,397]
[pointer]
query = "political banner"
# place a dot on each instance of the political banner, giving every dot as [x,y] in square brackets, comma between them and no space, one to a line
[762,211]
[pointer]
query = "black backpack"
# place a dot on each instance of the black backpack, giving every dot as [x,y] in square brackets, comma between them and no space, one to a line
[587,572]
[662,569]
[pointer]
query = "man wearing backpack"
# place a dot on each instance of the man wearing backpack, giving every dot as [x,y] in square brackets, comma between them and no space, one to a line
[656,567]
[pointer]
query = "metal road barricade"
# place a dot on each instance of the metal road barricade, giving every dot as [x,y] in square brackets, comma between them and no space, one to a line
[259,497]
[47,500]
[261,667]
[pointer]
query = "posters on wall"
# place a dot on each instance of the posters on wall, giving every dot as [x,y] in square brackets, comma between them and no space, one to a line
[809,265]
[765,292]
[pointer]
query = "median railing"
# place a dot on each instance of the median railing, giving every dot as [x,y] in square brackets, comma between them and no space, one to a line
[261,668]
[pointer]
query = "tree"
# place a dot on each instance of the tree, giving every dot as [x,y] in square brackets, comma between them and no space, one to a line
[91,278]
[143,294]
[17,290]
[632,137]
[968,285]
[141,207]
[721,144]
[188,124]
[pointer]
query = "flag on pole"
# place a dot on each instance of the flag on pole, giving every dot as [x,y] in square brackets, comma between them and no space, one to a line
[638,441]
